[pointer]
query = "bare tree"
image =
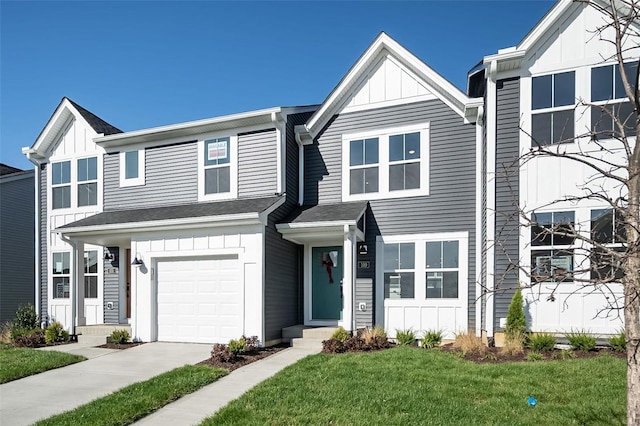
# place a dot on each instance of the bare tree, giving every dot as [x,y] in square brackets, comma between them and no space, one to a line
[607,258]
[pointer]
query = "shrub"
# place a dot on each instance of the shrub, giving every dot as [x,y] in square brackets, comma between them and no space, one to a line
[535,356]
[490,356]
[369,335]
[29,338]
[341,334]
[236,347]
[26,317]
[406,337]
[332,346]
[514,344]
[120,336]
[55,333]
[516,321]
[564,354]
[542,342]
[469,343]
[618,342]
[356,343]
[221,353]
[581,340]
[251,344]
[431,339]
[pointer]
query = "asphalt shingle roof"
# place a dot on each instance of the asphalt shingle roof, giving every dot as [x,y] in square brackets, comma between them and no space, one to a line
[328,212]
[7,170]
[97,123]
[220,208]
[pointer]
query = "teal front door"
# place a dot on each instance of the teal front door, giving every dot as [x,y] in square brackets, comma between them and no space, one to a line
[326,283]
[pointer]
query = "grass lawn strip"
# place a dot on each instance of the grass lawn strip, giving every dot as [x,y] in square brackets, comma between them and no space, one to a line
[135,401]
[16,363]
[415,386]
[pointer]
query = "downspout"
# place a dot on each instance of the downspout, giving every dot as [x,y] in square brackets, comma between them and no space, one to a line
[37,249]
[281,156]
[298,130]
[74,281]
[479,212]
[490,121]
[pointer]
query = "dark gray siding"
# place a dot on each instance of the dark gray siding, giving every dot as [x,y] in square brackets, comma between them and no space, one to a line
[112,287]
[171,177]
[257,164]
[450,207]
[17,243]
[44,234]
[507,219]
[364,294]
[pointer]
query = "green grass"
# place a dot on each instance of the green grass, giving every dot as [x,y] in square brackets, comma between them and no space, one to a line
[16,363]
[415,386]
[129,404]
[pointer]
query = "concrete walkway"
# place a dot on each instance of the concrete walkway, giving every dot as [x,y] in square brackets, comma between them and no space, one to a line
[85,350]
[193,408]
[24,401]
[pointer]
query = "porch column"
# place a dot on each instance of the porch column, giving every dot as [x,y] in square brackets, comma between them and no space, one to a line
[78,265]
[349,249]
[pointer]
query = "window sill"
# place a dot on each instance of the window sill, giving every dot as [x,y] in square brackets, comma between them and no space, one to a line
[385,195]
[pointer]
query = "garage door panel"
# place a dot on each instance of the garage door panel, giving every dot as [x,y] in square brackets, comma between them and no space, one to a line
[199,300]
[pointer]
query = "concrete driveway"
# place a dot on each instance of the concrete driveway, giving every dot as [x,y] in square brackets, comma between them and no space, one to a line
[25,401]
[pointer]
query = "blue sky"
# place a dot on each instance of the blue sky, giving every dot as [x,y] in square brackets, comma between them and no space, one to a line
[145,64]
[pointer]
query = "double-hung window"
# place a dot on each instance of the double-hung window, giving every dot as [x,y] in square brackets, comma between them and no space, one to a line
[442,267]
[386,163]
[552,108]
[60,274]
[552,239]
[87,181]
[611,102]
[607,229]
[91,274]
[399,271]
[61,185]
[132,168]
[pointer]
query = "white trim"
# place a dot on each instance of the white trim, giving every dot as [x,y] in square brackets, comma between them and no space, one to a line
[308,281]
[137,181]
[491,195]
[479,212]
[233,168]
[383,163]
[281,158]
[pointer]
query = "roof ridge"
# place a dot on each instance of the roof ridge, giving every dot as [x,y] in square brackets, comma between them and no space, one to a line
[97,123]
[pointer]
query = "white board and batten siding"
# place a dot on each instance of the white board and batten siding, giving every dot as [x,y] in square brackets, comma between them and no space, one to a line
[198,285]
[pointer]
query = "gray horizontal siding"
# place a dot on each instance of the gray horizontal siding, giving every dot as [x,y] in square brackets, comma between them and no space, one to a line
[507,182]
[450,206]
[111,287]
[17,244]
[293,155]
[171,177]
[364,294]
[257,164]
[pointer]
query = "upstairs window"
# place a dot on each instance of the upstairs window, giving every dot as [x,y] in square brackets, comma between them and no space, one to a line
[132,168]
[61,184]
[87,181]
[552,108]
[218,168]
[611,102]
[552,238]
[386,164]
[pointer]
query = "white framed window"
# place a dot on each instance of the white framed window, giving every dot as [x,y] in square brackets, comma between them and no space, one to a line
[87,173]
[132,167]
[608,230]
[61,274]
[610,100]
[218,168]
[386,163]
[443,269]
[61,185]
[399,270]
[91,274]
[553,103]
[552,246]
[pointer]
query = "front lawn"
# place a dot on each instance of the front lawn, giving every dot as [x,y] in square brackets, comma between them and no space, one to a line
[135,401]
[415,386]
[16,363]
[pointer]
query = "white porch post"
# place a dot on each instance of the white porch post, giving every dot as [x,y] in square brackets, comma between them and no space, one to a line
[348,281]
[78,265]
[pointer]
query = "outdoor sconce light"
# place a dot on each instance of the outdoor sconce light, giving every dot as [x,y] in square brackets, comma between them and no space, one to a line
[363,249]
[137,261]
[109,256]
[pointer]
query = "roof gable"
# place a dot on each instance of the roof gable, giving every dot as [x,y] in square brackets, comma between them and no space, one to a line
[383,52]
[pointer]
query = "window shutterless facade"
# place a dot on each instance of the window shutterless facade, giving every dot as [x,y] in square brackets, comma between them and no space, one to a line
[132,168]
[386,163]
[61,185]
[608,230]
[60,274]
[442,265]
[552,108]
[399,270]
[611,102]
[87,181]
[218,168]
[552,246]
[91,274]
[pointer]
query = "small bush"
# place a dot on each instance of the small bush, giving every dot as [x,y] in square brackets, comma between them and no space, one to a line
[535,356]
[564,354]
[543,342]
[26,317]
[332,346]
[120,336]
[618,342]
[513,344]
[251,344]
[356,343]
[221,353]
[516,321]
[29,338]
[490,356]
[55,333]
[5,333]
[406,337]
[341,334]
[469,343]
[236,347]
[431,339]
[371,334]
[581,340]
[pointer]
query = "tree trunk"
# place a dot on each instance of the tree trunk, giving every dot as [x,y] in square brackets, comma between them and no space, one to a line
[632,326]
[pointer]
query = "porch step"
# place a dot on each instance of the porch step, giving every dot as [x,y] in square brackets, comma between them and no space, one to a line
[306,343]
[322,333]
[96,335]
[92,340]
[295,331]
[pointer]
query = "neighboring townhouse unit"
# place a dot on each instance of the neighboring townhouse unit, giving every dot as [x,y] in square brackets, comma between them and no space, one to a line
[535,94]
[17,240]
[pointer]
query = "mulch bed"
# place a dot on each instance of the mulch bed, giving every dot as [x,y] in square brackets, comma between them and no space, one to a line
[120,345]
[246,358]
[496,355]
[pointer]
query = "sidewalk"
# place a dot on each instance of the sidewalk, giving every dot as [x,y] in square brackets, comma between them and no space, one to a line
[195,407]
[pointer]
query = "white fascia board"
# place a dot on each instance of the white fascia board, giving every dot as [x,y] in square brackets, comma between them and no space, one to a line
[311,225]
[264,116]
[545,23]
[192,222]
[264,216]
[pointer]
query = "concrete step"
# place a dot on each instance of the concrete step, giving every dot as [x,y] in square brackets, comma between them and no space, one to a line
[292,332]
[92,340]
[101,329]
[307,343]
[322,333]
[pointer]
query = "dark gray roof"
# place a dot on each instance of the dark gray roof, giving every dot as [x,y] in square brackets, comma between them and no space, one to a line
[97,123]
[220,208]
[6,170]
[328,212]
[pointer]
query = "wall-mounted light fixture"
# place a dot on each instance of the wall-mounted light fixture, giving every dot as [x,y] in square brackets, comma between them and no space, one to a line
[109,256]
[137,261]
[363,249]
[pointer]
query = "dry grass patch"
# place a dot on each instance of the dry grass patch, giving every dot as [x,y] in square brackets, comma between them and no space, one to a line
[469,343]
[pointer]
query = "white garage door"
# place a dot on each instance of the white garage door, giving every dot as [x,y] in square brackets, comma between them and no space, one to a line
[199,300]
